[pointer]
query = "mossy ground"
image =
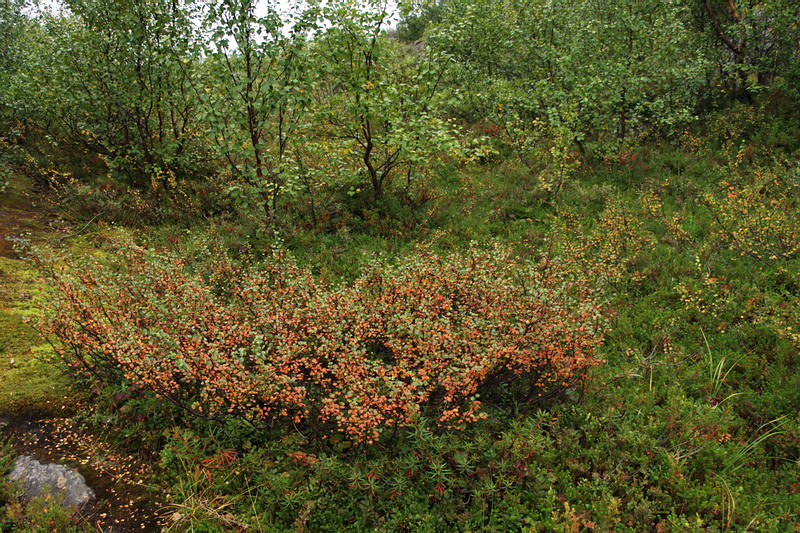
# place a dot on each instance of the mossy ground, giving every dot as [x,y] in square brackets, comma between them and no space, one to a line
[29,384]
[38,400]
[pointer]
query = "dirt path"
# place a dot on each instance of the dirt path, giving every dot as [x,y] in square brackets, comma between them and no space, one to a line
[36,407]
[19,214]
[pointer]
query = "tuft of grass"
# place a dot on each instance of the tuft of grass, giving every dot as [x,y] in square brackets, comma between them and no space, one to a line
[717,372]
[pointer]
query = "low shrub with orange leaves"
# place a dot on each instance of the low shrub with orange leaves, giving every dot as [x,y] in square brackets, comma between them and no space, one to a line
[433,336]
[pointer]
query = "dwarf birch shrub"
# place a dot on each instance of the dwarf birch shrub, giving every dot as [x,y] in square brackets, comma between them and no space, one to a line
[759,218]
[434,336]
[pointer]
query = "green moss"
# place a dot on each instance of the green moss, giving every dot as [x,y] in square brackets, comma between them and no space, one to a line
[17,337]
[28,383]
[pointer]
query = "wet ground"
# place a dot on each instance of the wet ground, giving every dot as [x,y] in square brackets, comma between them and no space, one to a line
[125,502]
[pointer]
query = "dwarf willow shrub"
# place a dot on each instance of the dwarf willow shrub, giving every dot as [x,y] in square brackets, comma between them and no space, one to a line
[433,336]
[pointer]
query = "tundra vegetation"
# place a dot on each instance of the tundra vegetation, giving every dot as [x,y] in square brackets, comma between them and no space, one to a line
[479,265]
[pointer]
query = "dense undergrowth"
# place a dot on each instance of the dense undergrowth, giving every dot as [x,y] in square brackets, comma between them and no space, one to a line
[689,424]
[537,271]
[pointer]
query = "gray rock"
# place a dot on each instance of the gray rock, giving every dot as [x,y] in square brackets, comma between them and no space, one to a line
[54,479]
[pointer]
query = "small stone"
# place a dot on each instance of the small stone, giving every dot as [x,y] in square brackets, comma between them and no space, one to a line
[54,479]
